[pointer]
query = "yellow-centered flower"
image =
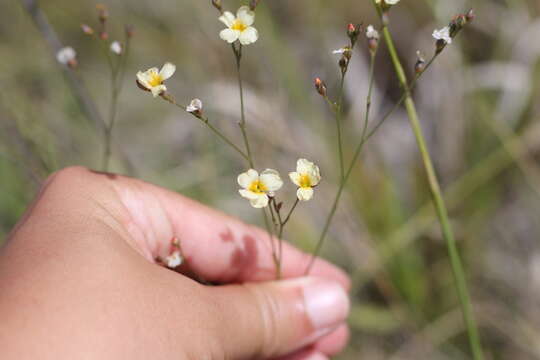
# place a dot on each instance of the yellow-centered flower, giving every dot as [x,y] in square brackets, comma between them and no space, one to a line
[239,26]
[306,177]
[153,79]
[258,188]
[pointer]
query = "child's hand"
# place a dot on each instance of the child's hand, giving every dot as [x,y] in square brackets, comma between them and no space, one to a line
[78,280]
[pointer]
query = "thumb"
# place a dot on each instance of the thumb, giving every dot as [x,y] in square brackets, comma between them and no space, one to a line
[264,320]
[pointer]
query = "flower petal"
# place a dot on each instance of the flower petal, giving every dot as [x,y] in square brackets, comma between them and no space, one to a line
[227,18]
[229,35]
[260,202]
[295,178]
[304,166]
[250,195]
[143,79]
[245,179]
[304,194]
[248,36]
[157,90]
[271,179]
[167,71]
[245,15]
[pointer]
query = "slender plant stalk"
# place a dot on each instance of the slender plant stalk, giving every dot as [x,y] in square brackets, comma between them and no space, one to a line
[339,117]
[438,200]
[242,123]
[205,121]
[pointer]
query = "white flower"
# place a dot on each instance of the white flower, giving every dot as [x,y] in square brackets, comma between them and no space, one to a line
[152,79]
[116,47]
[371,33]
[66,55]
[194,106]
[340,51]
[257,188]
[306,177]
[388,2]
[239,27]
[174,260]
[443,34]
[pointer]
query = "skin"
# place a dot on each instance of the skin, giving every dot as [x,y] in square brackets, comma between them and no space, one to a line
[79,279]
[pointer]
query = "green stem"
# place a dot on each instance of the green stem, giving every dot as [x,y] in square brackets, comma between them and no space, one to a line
[442,213]
[339,116]
[370,92]
[205,121]
[242,123]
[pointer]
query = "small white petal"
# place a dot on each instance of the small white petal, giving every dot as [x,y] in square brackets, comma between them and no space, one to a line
[245,179]
[227,18]
[271,179]
[229,35]
[304,194]
[158,90]
[248,36]
[246,16]
[174,260]
[295,178]
[260,202]
[65,55]
[194,105]
[250,195]
[116,48]
[339,51]
[167,71]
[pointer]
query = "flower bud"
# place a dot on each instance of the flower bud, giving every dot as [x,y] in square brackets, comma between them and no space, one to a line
[343,64]
[470,15]
[320,86]
[87,29]
[253,4]
[217,5]
[420,65]
[103,13]
[130,31]
[352,32]
[103,35]
[195,108]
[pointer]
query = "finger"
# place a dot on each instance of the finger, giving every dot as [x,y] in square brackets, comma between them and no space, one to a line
[215,246]
[272,319]
[333,343]
[305,355]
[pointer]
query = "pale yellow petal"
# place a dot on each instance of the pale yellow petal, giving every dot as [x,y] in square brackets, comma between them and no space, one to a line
[260,202]
[271,179]
[229,35]
[245,179]
[227,18]
[304,194]
[248,36]
[245,15]
[295,178]
[167,71]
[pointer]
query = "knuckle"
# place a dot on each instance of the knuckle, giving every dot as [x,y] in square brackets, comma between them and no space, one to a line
[267,311]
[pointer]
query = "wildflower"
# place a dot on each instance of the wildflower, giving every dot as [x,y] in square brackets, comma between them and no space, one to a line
[174,259]
[443,35]
[306,177]
[194,107]
[258,188]
[239,27]
[371,33]
[153,80]
[67,56]
[116,48]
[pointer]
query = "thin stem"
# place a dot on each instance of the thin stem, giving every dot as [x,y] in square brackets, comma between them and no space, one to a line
[205,121]
[339,116]
[242,123]
[370,92]
[442,212]
[288,217]
[275,256]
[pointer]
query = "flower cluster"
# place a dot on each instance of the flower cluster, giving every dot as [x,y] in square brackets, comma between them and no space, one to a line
[445,35]
[260,188]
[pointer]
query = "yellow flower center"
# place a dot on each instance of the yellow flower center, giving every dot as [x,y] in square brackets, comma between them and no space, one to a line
[239,25]
[305,181]
[155,79]
[257,187]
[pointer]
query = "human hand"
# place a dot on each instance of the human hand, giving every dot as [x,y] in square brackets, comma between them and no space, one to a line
[78,279]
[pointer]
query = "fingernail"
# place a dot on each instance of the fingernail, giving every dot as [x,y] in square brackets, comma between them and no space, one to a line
[327,303]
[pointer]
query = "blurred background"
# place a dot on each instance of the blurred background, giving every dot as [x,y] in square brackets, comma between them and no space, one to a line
[478,105]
